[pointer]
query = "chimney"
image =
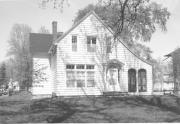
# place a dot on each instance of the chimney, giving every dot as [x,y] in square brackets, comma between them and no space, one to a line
[54,30]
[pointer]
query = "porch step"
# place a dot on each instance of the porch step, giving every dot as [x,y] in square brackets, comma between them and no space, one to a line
[115,93]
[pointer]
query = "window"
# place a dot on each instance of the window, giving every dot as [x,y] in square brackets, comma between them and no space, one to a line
[91,43]
[90,76]
[108,44]
[90,79]
[80,79]
[89,66]
[79,66]
[80,75]
[70,76]
[142,80]
[74,43]
[69,66]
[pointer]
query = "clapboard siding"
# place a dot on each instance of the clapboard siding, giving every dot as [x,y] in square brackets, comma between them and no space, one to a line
[66,56]
[92,26]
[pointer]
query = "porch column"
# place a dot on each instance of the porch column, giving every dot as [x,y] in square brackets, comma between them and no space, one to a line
[137,82]
[105,76]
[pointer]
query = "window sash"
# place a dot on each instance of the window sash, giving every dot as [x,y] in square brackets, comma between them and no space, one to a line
[74,47]
[89,66]
[79,76]
[74,39]
[70,66]
[91,43]
[70,83]
[80,66]
[90,83]
[80,83]
[142,81]
[90,79]
[74,43]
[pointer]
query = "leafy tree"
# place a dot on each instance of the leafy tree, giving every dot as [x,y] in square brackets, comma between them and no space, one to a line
[44,30]
[20,63]
[3,75]
[131,21]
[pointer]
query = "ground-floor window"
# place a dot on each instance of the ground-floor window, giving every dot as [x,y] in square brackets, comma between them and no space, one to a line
[80,75]
[90,79]
[70,78]
[142,81]
[80,78]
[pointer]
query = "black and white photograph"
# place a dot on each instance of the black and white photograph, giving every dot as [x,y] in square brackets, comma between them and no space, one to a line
[89,61]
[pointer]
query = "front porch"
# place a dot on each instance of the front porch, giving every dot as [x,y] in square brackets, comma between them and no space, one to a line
[116,85]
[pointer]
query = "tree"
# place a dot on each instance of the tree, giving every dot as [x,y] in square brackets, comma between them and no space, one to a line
[44,30]
[20,63]
[130,19]
[3,75]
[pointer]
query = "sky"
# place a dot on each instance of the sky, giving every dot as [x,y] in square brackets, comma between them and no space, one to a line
[28,12]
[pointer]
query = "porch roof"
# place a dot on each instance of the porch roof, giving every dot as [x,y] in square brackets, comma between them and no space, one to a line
[114,63]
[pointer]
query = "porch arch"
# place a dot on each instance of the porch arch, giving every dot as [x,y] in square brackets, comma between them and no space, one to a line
[113,75]
[132,80]
[142,80]
[114,63]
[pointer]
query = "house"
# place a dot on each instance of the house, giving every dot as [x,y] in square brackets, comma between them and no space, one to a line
[175,56]
[86,60]
[168,83]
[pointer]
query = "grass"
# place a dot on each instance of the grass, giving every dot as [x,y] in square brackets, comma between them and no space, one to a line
[20,109]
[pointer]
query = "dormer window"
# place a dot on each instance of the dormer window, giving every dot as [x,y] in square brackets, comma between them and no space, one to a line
[91,43]
[74,43]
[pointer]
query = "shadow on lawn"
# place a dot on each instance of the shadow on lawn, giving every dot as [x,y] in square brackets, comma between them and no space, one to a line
[58,110]
[157,101]
[62,110]
[90,108]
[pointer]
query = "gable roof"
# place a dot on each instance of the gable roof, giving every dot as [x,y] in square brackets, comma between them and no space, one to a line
[40,43]
[104,24]
[175,51]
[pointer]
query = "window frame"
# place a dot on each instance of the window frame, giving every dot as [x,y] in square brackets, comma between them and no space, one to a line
[140,82]
[91,43]
[108,45]
[85,69]
[74,43]
[70,68]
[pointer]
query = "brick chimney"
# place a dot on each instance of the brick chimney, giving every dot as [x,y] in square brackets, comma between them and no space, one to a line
[54,30]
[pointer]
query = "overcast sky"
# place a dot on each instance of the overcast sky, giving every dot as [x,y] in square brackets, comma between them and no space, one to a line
[28,12]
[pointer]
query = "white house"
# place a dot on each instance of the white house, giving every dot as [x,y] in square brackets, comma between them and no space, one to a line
[86,60]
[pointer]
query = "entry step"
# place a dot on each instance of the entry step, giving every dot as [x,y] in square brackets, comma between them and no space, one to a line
[115,93]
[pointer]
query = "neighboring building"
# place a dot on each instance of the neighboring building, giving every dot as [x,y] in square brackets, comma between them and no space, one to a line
[87,61]
[175,55]
[168,84]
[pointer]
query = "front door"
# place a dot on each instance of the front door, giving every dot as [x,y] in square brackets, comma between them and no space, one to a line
[112,79]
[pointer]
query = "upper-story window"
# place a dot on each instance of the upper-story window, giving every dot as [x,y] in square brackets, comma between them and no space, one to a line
[74,43]
[108,44]
[91,43]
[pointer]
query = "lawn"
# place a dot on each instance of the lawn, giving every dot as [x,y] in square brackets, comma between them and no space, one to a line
[20,109]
